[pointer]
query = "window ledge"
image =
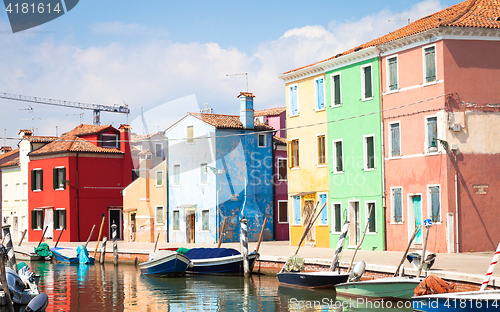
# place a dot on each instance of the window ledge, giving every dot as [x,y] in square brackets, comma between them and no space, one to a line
[159,186]
[433,153]
[282,180]
[283,222]
[159,224]
[204,184]
[321,166]
[394,157]
[397,223]
[320,110]
[391,92]
[338,172]
[371,169]
[367,99]
[300,224]
[36,190]
[323,225]
[204,231]
[291,116]
[337,105]
[425,84]
[295,168]
[60,189]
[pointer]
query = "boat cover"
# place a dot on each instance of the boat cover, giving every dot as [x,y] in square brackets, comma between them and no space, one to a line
[43,250]
[207,253]
[182,250]
[160,254]
[432,284]
[83,255]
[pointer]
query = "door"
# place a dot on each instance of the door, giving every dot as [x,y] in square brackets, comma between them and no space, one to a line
[308,210]
[132,227]
[354,226]
[190,226]
[115,217]
[282,225]
[15,229]
[49,223]
[417,209]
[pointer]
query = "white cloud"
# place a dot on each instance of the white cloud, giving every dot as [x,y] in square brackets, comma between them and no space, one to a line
[122,29]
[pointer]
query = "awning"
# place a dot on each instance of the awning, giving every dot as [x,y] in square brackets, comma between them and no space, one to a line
[187,206]
[301,194]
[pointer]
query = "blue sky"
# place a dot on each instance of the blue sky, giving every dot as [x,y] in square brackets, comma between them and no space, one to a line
[152,53]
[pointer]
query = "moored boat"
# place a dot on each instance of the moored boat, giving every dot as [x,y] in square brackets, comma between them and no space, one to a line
[218,261]
[71,255]
[312,279]
[165,263]
[383,288]
[485,300]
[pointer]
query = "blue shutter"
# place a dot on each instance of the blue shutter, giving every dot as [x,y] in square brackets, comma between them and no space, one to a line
[297,210]
[430,64]
[324,213]
[435,207]
[320,99]
[395,144]
[293,100]
[393,74]
[398,205]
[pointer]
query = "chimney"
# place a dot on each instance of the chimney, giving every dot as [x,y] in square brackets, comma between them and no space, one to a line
[125,147]
[246,109]
[5,149]
[25,132]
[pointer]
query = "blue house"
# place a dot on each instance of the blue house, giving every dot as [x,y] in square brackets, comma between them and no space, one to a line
[219,167]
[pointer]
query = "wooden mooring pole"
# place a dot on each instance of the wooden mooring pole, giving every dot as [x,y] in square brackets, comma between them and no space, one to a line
[60,234]
[103,249]
[115,245]
[222,233]
[10,247]
[88,239]
[22,237]
[99,237]
[5,286]
[244,243]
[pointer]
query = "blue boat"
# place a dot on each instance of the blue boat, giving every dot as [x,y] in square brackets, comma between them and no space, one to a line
[165,263]
[219,261]
[486,300]
[79,255]
[312,279]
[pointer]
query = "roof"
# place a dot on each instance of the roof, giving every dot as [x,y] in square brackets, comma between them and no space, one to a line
[85,129]
[246,94]
[278,140]
[270,111]
[13,162]
[227,121]
[40,139]
[9,153]
[72,143]
[470,13]
[139,137]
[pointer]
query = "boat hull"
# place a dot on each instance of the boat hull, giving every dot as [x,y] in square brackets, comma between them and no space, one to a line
[59,256]
[384,288]
[487,300]
[231,265]
[312,279]
[171,265]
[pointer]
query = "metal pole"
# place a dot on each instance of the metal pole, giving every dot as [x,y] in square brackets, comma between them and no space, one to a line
[5,286]
[22,237]
[115,245]
[103,250]
[490,269]
[10,248]
[244,242]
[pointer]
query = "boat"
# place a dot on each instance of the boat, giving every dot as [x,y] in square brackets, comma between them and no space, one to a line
[383,288]
[79,255]
[319,279]
[165,263]
[218,261]
[22,286]
[480,300]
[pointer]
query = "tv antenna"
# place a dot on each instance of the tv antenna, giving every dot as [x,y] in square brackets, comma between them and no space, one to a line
[207,109]
[81,116]
[246,74]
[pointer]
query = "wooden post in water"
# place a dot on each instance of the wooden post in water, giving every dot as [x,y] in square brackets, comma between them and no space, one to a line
[99,237]
[103,250]
[43,235]
[115,245]
[222,232]
[427,224]
[10,248]
[244,243]
[60,234]
[261,235]
[362,238]
[3,278]
[156,243]
[88,239]
[22,237]
[400,273]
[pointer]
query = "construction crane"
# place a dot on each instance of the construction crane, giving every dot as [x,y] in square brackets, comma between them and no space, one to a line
[97,108]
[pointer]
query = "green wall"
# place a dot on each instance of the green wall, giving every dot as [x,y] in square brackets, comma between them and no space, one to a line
[356,183]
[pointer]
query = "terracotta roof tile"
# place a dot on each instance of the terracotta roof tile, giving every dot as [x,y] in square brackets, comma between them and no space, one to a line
[470,13]
[270,111]
[4,155]
[227,121]
[279,141]
[71,143]
[85,129]
[13,162]
[40,139]
[140,137]
[246,94]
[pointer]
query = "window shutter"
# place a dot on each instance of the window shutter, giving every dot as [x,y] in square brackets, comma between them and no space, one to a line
[336,85]
[33,217]
[54,180]
[33,180]
[338,218]
[324,213]
[435,204]
[64,177]
[56,219]
[398,217]
[371,226]
[320,93]
[41,180]
[368,81]
[370,153]
[393,74]
[430,65]
[293,100]
[297,209]
[395,140]
[63,214]
[338,152]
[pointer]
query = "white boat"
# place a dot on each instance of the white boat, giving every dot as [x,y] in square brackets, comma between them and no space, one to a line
[382,288]
[22,286]
[480,300]
[165,263]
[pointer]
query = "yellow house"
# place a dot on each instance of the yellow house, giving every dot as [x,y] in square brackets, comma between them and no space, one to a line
[144,205]
[307,155]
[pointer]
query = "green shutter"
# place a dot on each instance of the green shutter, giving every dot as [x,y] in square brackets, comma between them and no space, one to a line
[56,219]
[33,180]
[33,217]
[64,177]
[368,82]
[338,152]
[63,215]
[41,180]
[100,140]
[54,179]
[370,153]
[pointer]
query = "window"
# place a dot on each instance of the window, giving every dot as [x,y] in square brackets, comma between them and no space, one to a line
[336,95]
[294,105]
[60,219]
[59,178]
[177,174]
[5,193]
[338,161]
[190,134]
[431,133]
[37,219]
[367,82]
[371,215]
[18,191]
[298,213]
[282,167]
[435,203]
[392,72]
[294,155]
[262,140]
[395,140]
[397,205]
[25,190]
[109,140]
[205,220]
[159,178]
[369,152]
[36,179]
[337,217]
[321,150]
[319,91]
[282,212]
[430,64]
[203,174]
[159,215]
[159,150]
[324,212]
[176,220]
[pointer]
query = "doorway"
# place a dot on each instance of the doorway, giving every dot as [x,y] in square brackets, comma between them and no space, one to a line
[308,211]
[115,217]
[354,226]
[132,227]
[15,229]
[415,217]
[49,222]
[190,225]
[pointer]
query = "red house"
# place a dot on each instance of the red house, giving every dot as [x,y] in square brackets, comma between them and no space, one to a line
[77,179]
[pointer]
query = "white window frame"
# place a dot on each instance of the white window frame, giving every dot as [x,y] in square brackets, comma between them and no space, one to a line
[326,207]
[334,157]
[388,73]
[423,64]
[333,217]
[278,168]
[367,210]
[188,139]
[316,94]
[161,149]
[429,203]
[426,144]
[365,153]
[156,178]
[291,153]
[287,212]
[25,191]
[201,220]
[392,205]
[363,82]
[117,141]
[60,188]
[5,194]
[41,182]
[290,99]
[203,165]
[163,212]
[332,89]
[390,140]
[325,149]
[176,183]
[43,219]
[173,220]
[17,191]
[258,140]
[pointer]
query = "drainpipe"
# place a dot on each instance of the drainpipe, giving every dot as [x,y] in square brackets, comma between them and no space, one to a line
[77,200]
[456,198]
[384,208]
[274,147]
[167,187]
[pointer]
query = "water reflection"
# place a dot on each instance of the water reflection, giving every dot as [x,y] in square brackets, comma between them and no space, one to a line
[109,288]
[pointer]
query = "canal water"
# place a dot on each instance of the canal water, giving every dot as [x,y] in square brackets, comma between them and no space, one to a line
[99,288]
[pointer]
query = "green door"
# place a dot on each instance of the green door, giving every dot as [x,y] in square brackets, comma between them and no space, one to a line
[417,208]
